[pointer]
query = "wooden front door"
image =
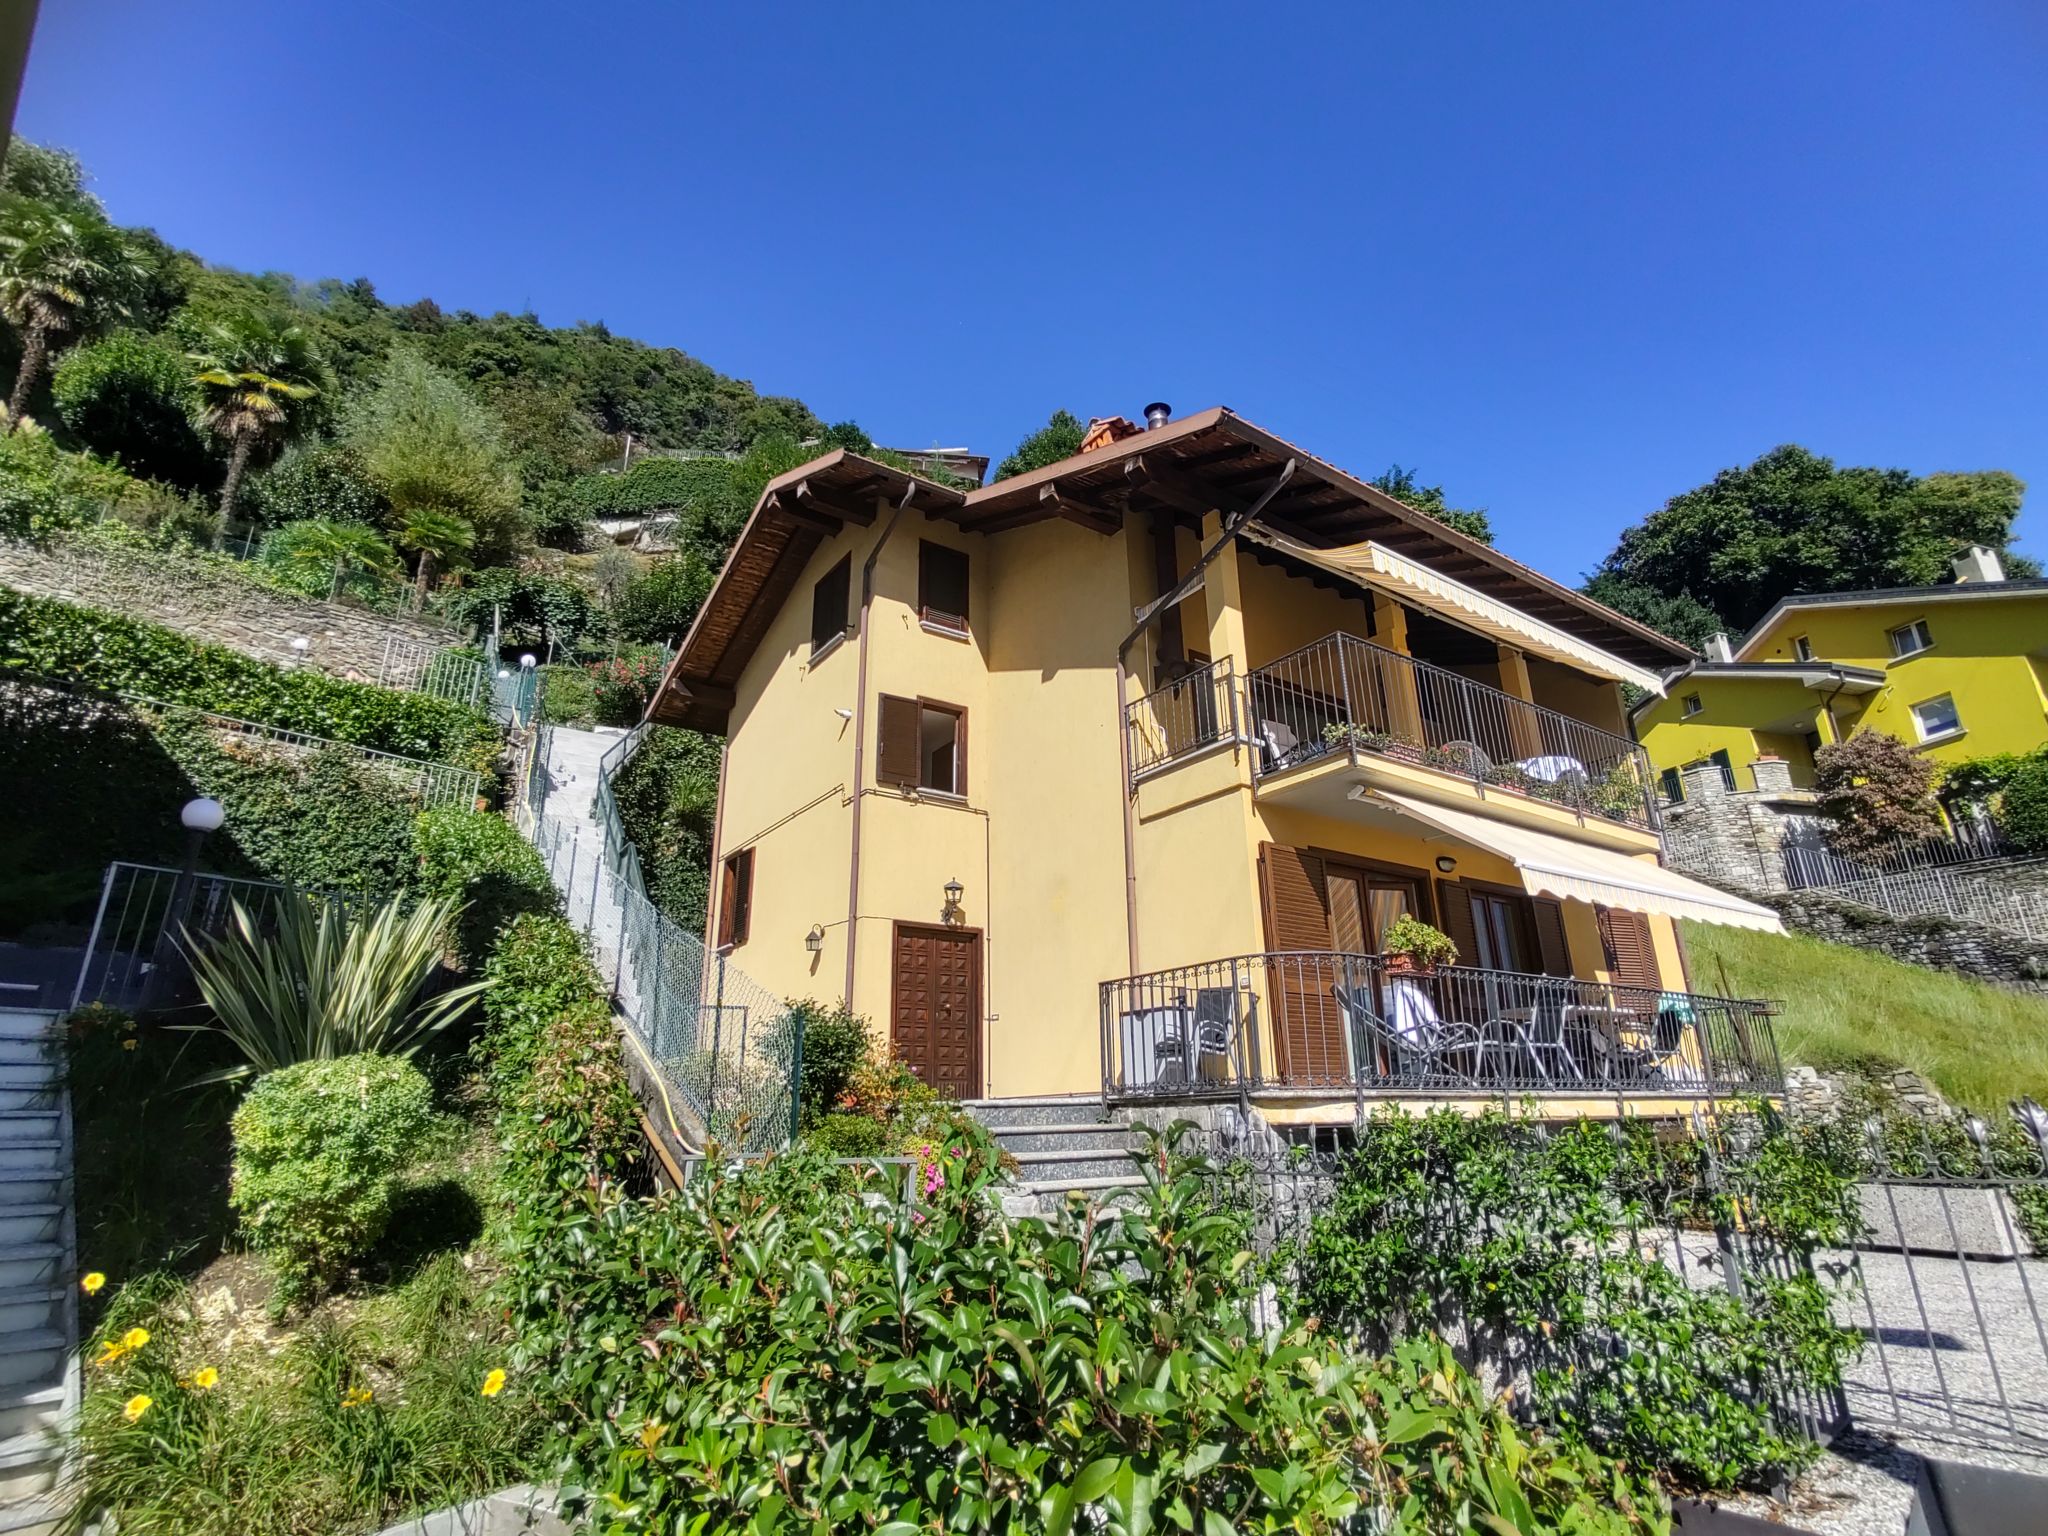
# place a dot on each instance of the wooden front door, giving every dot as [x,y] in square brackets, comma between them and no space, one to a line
[935,1007]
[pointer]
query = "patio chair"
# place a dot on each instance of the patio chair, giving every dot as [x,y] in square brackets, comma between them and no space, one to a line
[1541,1039]
[1417,1048]
[1215,1031]
[1280,743]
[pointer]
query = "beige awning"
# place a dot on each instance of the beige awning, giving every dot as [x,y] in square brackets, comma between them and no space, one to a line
[1555,866]
[1374,565]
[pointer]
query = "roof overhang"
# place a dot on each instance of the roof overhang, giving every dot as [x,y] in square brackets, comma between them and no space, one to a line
[1571,871]
[797,512]
[1821,676]
[1374,566]
[1217,461]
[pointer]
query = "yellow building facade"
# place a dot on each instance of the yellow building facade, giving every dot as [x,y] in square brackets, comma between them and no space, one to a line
[1148,804]
[1957,672]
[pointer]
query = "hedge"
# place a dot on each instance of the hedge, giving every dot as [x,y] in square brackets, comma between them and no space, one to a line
[41,637]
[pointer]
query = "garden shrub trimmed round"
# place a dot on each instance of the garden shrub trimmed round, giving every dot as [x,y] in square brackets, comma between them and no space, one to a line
[318,1150]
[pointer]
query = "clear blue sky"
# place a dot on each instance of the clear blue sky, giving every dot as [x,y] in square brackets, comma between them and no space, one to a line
[1567,260]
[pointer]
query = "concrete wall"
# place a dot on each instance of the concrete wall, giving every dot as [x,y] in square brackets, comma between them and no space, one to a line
[195,597]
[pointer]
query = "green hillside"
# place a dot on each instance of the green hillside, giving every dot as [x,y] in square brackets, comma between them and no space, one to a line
[1841,1007]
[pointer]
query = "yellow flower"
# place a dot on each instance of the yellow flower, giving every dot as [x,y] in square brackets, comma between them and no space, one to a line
[134,1339]
[355,1397]
[494,1384]
[109,1353]
[651,1433]
[91,1283]
[138,1405]
[206,1378]
[128,1044]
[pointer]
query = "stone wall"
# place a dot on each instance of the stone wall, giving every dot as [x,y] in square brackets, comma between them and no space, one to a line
[1721,834]
[1939,943]
[197,597]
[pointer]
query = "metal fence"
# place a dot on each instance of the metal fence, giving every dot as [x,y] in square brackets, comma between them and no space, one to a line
[412,666]
[1809,861]
[2012,895]
[1186,716]
[132,956]
[1326,1020]
[728,1052]
[1343,694]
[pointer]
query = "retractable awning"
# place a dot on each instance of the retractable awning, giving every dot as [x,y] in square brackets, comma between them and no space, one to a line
[1554,866]
[1375,565]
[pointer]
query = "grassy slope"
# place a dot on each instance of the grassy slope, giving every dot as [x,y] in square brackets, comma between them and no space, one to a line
[1981,1045]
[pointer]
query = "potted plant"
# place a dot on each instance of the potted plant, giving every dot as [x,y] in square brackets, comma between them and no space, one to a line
[1413,948]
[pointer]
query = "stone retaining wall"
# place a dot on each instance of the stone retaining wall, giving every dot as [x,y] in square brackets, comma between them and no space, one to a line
[1939,943]
[195,597]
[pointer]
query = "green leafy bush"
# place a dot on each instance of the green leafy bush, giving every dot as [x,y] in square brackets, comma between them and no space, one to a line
[568,695]
[298,557]
[838,1043]
[44,490]
[846,1362]
[131,395]
[2023,803]
[657,607]
[327,482]
[40,637]
[318,1150]
[667,794]
[1530,1236]
[479,861]
[622,687]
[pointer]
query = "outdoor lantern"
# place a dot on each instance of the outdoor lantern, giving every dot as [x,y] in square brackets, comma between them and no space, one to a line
[814,941]
[526,660]
[203,815]
[1445,863]
[954,891]
[504,671]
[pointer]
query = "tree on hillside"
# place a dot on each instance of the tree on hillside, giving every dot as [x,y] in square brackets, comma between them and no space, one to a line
[1060,438]
[341,549]
[62,272]
[258,376]
[1682,617]
[1400,484]
[132,395]
[1794,522]
[434,447]
[47,174]
[1876,791]
[439,539]
[317,480]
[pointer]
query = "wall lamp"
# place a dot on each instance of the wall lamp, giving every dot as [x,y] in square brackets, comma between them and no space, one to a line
[954,891]
[1445,863]
[814,941]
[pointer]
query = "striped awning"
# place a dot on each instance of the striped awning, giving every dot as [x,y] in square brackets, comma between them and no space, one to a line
[1556,866]
[1374,565]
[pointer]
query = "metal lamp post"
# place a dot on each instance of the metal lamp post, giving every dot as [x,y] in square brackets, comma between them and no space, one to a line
[199,818]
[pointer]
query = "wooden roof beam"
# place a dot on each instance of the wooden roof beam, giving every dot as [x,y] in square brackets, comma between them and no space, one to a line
[846,508]
[1079,509]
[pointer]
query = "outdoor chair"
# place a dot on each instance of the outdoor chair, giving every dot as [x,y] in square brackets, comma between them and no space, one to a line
[1417,1048]
[1542,1039]
[1280,744]
[1215,1032]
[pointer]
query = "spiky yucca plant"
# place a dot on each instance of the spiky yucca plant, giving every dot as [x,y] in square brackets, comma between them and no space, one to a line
[326,982]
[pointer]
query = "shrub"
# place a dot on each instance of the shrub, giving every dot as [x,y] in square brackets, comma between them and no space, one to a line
[666,794]
[1425,945]
[479,861]
[2023,804]
[44,490]
[327,482]
[838,1043]
[658,607]
[316,981]
[854,1363]
[847,1135]
[622,687]
[40,637]
[318,1150]
[568,695]
[132,395]
[1530,1238]
[1876,791]
[298,558]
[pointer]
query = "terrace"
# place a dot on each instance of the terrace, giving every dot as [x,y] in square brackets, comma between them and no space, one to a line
[1324,1024]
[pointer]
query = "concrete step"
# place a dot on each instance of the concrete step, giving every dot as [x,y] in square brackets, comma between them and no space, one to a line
[30,1154]
[44,1097]
[31,1410]
[30,1308]
[25,1265]
[34,1222]
[18,1126]
[28,1051]
[1065,1167]
[1102,1136]
[41,1516]
[28,1023]
[29,1465]
[30,1186]
[1048,1109]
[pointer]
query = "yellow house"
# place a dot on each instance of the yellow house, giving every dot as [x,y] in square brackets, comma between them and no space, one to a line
[1110,778]
[1957,671]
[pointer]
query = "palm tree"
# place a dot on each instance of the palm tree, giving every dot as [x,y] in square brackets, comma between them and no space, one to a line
[62,271]
[340,547]
[438,538]
[255,374]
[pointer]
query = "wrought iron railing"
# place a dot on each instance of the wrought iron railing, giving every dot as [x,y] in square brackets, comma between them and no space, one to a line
[1322,1019]
[1343,694]
[1188,715]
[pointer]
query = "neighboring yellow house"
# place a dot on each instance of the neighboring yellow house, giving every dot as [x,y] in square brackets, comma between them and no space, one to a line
[1958,671]
[1109,778]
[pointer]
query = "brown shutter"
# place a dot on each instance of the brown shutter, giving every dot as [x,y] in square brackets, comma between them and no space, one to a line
[1551,943]
[1625,937]
[960,753]
[1454,905]
[896,745]
[1297,898]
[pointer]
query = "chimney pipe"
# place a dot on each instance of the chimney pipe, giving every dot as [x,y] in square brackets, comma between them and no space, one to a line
[1718,647]
[1978,564]
[1157,415]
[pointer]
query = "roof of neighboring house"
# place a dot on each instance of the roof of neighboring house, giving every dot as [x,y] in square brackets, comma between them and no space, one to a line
[796,513]
[1948,592]
[1811,674]
[1213,460]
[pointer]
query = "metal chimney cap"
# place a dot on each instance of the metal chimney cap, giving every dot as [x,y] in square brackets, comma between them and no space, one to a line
[1157,415]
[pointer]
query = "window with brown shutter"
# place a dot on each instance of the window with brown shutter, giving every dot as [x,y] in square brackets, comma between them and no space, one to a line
[1454,905]
[941,586]
[1551,943]
[736,899]
[1625,941]
[829,601]
[922,744]
[1310,1036]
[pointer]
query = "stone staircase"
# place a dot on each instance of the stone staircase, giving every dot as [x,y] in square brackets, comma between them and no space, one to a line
[1063,1144]
[38,1311]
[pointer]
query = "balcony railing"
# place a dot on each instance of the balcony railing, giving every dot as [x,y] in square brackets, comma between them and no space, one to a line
[1192,713]
[1344,1023]
[1345,694]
